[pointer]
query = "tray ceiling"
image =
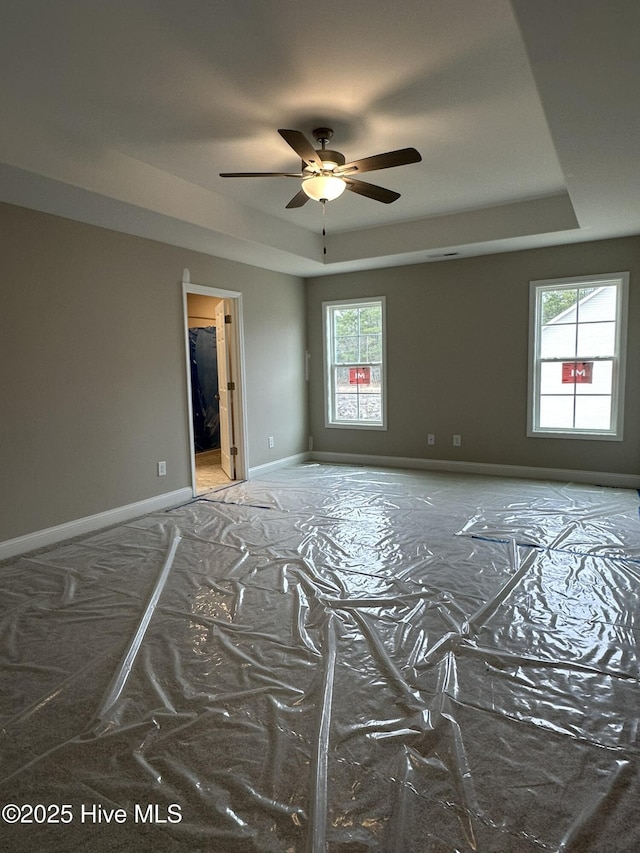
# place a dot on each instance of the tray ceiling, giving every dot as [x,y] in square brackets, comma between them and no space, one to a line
[123,114]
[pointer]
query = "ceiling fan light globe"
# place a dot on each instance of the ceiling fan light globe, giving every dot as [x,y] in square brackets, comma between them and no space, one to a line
[323,187]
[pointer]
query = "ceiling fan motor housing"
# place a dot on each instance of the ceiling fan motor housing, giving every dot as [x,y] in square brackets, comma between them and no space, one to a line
[333,159]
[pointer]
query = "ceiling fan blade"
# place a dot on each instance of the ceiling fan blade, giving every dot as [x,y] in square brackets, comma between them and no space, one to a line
[261,175]
[303,148]
[401,157]
[299,199]
[371,191]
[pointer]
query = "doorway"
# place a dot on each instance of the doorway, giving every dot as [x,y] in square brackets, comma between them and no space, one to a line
[214,348]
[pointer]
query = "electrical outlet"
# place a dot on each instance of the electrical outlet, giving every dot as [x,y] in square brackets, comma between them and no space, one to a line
[162,469]
[457,440]
[431,439]
[271,441]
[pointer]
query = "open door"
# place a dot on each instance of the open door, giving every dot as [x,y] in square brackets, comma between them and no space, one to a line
[225,391]
[225,310]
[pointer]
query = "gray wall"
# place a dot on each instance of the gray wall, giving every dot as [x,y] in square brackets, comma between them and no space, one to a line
[93,381]
[92,367]
[457,346]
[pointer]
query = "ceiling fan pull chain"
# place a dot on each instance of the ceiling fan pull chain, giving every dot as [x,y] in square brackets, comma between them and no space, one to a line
[324,230]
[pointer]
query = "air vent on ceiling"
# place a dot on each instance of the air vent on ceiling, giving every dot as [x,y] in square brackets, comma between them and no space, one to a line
[443,255]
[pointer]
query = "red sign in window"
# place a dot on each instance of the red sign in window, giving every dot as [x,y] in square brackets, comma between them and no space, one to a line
[577,372]
[359,375]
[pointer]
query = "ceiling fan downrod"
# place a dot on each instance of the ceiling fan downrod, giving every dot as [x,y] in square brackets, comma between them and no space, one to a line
[330,159]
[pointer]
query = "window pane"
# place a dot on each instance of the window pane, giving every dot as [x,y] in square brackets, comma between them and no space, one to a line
[593,412]
[346,321]
[370,320]
[558,341]
[555,303]
[556,412]
[347,349]
[370,407]
[357,406]
[374,386]
[371,348]
[346,407]
[600,306]
[596,339]
[551,379]
[342,379]
[601,379]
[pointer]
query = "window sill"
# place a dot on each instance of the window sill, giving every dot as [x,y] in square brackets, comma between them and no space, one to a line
[355,426]
[574,434]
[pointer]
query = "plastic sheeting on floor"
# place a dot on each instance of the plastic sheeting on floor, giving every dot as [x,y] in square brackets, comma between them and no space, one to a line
[331,659]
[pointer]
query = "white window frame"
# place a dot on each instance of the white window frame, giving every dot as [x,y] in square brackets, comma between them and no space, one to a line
[328,351]
[536,288]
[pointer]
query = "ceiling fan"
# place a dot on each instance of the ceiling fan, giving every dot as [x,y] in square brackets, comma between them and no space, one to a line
[325,174]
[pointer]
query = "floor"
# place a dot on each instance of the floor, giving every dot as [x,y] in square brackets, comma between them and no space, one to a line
[330,659]
[209,473]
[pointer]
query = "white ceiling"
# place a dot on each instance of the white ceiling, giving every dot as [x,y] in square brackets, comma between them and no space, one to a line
[123,112]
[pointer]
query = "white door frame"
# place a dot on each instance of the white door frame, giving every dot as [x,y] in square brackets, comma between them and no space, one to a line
[236,357]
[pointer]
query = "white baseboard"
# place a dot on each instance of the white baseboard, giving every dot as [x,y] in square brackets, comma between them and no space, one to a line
[91,523]
[594,478]
[297,459]
[51,535]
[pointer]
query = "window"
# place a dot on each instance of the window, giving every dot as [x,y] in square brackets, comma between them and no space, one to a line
[355,363]
[577,346]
